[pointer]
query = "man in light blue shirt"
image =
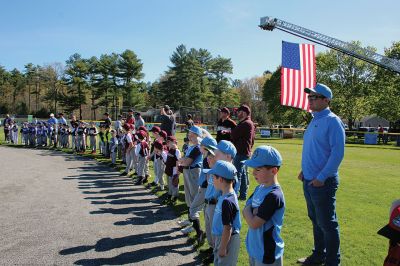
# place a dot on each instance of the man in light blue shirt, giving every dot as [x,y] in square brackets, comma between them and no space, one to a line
[323,151]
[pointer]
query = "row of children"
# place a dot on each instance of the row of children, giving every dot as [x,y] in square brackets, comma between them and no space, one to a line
[79,135]
[210,179]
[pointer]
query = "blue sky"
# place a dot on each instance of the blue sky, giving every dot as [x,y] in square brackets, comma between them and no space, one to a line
[49,31]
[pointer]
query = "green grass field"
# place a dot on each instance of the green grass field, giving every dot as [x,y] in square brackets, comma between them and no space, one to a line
[369,182]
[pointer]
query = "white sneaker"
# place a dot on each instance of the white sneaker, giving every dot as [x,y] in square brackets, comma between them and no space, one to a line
[184,223]
[187,230]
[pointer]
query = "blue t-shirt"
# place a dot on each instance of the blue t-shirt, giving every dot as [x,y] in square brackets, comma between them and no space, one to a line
[265,243]
[226,213]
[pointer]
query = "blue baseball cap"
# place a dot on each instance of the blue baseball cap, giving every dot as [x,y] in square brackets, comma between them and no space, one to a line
[209,143]
[196,130]
[320,89]
[223,169]
[227,147]
[264,156]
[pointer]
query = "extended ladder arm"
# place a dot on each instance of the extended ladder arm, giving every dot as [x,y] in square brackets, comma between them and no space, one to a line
[268,23]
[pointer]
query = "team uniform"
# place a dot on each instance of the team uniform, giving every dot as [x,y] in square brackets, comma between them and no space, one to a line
[80,139]
[159,167]
[210,198]
[141,152]
[227,213]
[171,170]
[92,131]
[14,133]
[113,149]
[264,244]
[129,154]
[25,135]
[191,173]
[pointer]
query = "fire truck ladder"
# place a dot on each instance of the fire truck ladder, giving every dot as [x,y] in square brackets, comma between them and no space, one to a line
[269,23]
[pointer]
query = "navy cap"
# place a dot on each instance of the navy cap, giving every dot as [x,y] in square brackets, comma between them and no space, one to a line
[264,156]
[227,147]
[196,130]
[223,169]
[320,89]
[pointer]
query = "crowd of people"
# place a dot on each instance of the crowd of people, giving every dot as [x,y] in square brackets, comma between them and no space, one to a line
[215,174]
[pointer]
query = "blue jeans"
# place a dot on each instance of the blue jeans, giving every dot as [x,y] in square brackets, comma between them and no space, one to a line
[243,178]
[321,207]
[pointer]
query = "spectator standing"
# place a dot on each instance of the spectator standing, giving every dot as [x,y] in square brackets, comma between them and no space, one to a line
[323,151]
[130,119]
[139,121]
[168,123]
[225,125]
[242,136]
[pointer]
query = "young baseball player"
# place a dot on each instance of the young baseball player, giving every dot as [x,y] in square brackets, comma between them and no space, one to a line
[155,130]
[225,151]
[265,209]
[80,135]
[185,145]
[129,144]
[92,137]
[199,200]
[148,140]
[192,163]
[226,221]
[171,158]
[32,135]
[44,134]
[113,147]
[25,134]
[158,163]
[14,133]
[141,152]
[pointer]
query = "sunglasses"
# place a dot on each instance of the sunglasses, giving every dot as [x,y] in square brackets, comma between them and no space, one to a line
[314,97]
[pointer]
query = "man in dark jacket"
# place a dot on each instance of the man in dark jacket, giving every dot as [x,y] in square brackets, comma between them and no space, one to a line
[242,136]
[225,125]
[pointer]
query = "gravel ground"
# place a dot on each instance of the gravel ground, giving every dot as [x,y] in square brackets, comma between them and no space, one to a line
[61,209]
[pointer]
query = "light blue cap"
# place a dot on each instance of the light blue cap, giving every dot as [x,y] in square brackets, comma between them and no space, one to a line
[196,130]
[223,169]
[209,143]
[264,156]
[227,147]
[320,89]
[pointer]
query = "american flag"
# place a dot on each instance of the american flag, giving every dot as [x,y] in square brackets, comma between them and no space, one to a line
[297,73]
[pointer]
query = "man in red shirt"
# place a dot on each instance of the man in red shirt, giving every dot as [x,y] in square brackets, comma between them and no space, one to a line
[242,136]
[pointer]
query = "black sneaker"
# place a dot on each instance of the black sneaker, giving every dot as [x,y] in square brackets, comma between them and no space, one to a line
[123,173]
[139,181]
[209,260]
[311,261]
[208,251]
[153,184]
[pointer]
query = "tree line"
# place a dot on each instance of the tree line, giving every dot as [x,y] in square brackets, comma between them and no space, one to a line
[196,80]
